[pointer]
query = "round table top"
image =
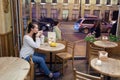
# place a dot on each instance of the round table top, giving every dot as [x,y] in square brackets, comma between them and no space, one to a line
[111,67]
[47,47]
[105,44]
[13,68]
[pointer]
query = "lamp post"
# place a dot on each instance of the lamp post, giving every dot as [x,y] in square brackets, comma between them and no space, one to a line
[80,9]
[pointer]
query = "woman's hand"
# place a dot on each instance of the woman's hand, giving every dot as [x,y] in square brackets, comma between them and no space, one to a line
[39,33]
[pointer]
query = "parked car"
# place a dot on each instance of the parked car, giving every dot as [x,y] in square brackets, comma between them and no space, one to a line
[44,26]
[106,27]
[47,23]
[85,24]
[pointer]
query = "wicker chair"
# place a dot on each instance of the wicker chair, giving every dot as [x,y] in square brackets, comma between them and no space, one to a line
[82,76]
[65,55]
[30,76]
[34,71]
[93,53]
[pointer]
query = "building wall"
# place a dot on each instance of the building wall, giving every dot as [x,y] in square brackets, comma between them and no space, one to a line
[70,6]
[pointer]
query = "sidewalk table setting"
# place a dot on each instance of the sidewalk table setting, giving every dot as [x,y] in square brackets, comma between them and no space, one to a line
[109,67]
[51,46]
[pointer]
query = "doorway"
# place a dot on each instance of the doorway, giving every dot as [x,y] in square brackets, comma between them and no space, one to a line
[65,15]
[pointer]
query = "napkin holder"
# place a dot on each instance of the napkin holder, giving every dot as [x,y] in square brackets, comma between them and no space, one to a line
[51,37]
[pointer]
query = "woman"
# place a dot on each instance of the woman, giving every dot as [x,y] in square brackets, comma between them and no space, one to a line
[57,30]
[96,29]
[32,41]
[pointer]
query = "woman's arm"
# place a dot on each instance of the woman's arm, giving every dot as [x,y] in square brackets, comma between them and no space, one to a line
[32,43]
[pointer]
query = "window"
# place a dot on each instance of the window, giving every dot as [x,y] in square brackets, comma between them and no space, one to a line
[75,14]
[54,1]
[65,14]
[87,2]
[33,11]
[54,14]
[43,12]
[108,2]
[65,1]
[96,12]
[88,21]
[86,12]
[43,1]
[97,1]
[76,1]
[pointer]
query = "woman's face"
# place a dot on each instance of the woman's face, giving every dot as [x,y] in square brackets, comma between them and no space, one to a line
[35,29]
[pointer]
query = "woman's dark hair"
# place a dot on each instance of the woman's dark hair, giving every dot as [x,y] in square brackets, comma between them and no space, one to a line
[56,22]
[31,25]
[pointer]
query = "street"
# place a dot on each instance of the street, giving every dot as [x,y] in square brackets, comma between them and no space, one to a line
[69,34]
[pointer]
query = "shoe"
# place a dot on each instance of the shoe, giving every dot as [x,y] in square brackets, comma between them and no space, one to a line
[56,74]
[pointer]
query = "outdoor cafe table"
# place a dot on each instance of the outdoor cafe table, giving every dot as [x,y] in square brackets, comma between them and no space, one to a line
[105,44]
[110,67]
[47,48]
[13,68]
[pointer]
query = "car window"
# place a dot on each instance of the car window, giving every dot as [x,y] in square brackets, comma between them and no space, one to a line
[88,21]
[79,21]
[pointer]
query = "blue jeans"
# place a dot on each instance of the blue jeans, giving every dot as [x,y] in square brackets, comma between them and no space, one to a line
[40,60]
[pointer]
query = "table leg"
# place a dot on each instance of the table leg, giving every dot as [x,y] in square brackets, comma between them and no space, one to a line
[50,60]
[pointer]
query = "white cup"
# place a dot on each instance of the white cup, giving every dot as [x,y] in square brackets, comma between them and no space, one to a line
[98,62]
[42,39]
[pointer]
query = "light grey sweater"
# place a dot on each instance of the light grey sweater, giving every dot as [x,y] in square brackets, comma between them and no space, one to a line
[29,45]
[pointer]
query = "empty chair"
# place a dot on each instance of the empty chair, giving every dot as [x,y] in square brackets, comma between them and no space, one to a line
[93,53]
[31,72]
[82,76]
[65,55]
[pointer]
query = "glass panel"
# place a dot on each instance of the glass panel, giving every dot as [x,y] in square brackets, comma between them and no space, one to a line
[108,2]
[54,1]
[33,11]
[96,12]
[86,12]
[86,1]
[97,1]
[88,21]
[43,1]
[43,12]
[65,14]
[75,14]
[54,13]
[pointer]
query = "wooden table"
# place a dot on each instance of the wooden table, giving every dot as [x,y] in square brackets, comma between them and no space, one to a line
[13,68]
[111,67]
[105,44]
[46,47]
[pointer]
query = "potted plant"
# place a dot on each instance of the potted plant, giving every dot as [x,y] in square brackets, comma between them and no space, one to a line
[113,38]
[90,37]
